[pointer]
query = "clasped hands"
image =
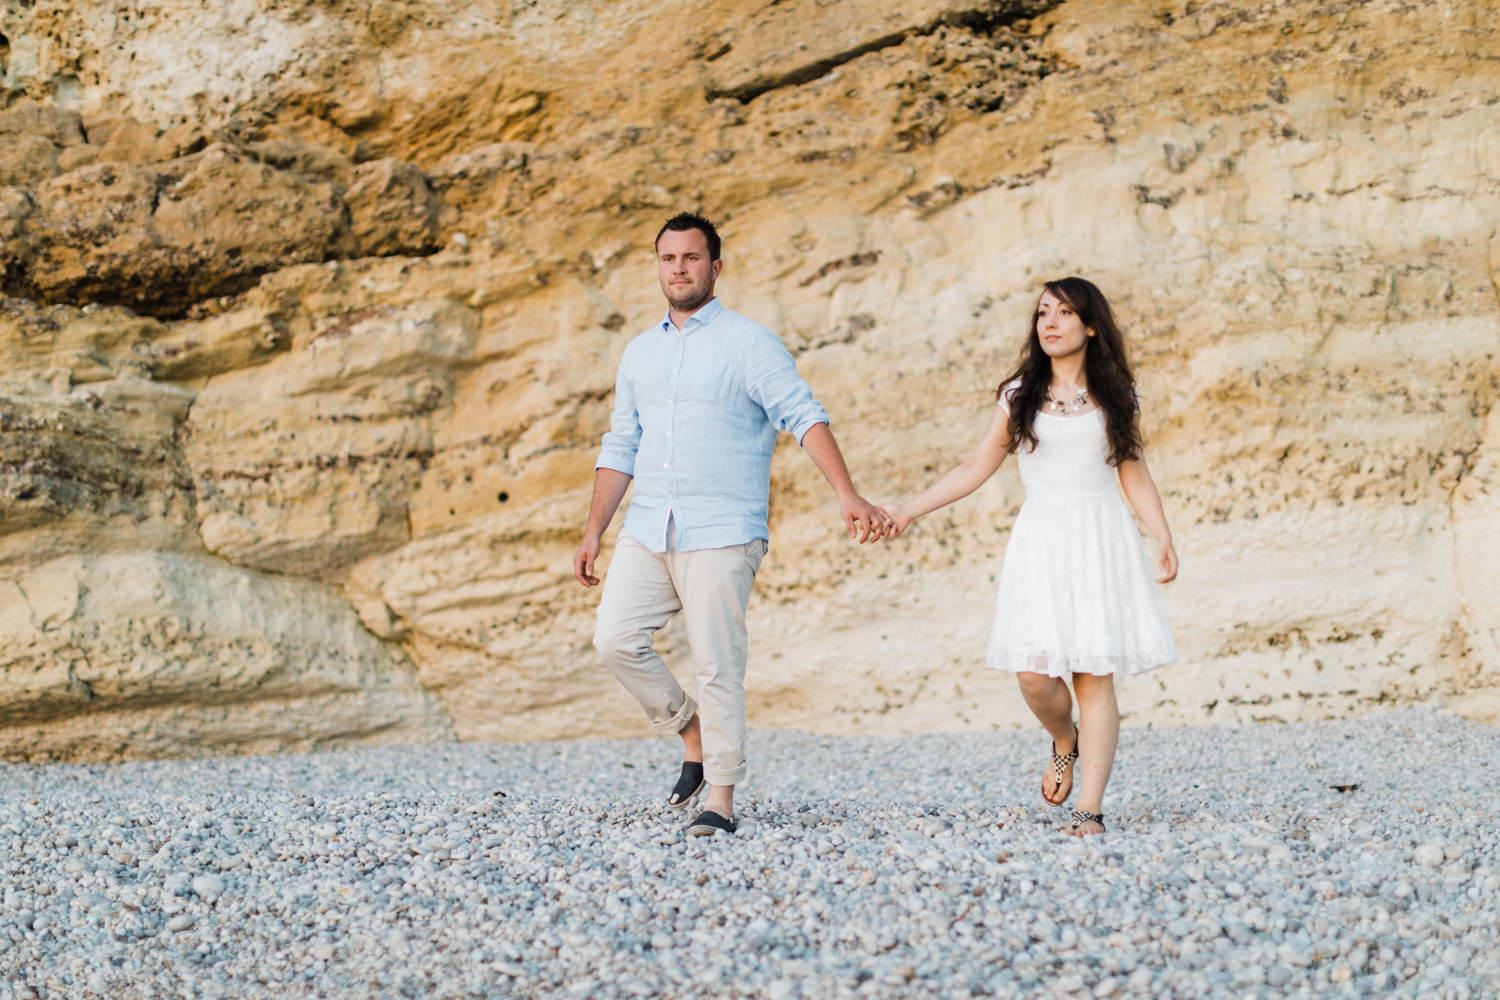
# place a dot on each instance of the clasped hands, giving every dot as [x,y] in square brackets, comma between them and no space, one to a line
[867,522]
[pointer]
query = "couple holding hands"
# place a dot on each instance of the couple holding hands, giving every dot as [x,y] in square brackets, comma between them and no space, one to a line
[699,400]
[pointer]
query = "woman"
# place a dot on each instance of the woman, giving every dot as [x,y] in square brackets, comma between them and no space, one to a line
[1076,593]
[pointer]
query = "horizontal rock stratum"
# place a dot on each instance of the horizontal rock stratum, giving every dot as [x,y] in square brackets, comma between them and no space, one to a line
[312,310]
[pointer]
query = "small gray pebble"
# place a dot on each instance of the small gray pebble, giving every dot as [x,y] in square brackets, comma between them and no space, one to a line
[208,886]
[401,866]
[1428,855]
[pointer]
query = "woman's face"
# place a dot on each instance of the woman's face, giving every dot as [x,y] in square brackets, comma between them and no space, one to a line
[1058,328]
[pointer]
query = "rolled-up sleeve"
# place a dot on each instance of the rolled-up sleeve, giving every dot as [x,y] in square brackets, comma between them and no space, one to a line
[623,438]
[772,381]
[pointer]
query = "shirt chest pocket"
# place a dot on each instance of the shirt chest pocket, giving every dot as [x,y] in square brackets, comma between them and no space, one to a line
[706,382]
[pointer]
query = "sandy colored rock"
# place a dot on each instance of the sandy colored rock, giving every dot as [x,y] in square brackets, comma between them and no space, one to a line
[93,469]
[145,654]
[392,209]
[126,140]
[34,138]
[309,460]
[395,252]
[165,222]
[122,638]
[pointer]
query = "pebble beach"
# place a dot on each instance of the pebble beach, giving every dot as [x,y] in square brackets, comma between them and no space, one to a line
[1334,859]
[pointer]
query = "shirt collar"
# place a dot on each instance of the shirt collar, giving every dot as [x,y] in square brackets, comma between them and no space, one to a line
[704,316]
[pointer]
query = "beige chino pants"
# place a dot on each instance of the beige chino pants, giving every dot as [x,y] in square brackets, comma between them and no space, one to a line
[711,587]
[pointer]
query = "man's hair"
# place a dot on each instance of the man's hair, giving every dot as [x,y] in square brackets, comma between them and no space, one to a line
[683,221]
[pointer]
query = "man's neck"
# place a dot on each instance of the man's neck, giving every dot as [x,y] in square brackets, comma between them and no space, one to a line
[679,318]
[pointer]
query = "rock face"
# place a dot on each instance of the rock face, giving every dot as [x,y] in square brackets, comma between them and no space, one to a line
[313,312]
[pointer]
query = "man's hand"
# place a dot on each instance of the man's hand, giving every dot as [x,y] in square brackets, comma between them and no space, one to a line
[609,489]
[583,561]
[865,521]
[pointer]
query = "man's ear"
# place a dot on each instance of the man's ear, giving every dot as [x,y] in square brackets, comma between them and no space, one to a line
[718,266]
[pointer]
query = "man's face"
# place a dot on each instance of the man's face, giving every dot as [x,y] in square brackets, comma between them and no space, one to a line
[687,275]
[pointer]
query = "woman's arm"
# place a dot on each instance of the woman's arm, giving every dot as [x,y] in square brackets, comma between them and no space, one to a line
[962,480]
[1145,500]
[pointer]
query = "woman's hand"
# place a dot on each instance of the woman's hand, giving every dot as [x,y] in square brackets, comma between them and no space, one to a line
[900,519]
[1166,564]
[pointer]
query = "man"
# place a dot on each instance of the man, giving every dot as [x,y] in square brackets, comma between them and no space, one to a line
[699,399]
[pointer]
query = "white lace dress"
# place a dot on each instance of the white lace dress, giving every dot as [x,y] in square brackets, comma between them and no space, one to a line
[1077,591]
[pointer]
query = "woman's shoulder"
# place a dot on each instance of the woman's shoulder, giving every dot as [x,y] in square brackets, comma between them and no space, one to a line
[1007,393]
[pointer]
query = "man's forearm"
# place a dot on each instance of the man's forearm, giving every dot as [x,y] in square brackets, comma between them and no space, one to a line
[824,451]
[609,489]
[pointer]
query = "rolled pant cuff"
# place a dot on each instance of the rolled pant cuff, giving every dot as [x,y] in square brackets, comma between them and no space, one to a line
[679,720]
[721,776]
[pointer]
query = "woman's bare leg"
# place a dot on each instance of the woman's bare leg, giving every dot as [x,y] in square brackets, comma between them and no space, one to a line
[1052,704]
[1098,736]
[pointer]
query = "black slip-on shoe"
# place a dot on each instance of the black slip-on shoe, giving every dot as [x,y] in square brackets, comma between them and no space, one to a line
[689,784]
[709,823]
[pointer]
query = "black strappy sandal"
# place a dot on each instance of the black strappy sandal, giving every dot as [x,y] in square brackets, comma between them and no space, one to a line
[689,784]
[1080,817]
[1060,764]
[709,823]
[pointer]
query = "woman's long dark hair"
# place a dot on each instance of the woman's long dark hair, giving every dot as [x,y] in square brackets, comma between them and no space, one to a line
[1105,369]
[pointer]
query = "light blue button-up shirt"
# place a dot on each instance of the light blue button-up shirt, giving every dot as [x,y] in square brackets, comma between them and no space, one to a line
[695,421]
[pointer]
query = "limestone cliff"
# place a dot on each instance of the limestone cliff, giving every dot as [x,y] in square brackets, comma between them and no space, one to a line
[312,311]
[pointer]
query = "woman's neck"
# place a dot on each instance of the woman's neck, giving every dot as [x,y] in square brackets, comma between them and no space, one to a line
[1067,373]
